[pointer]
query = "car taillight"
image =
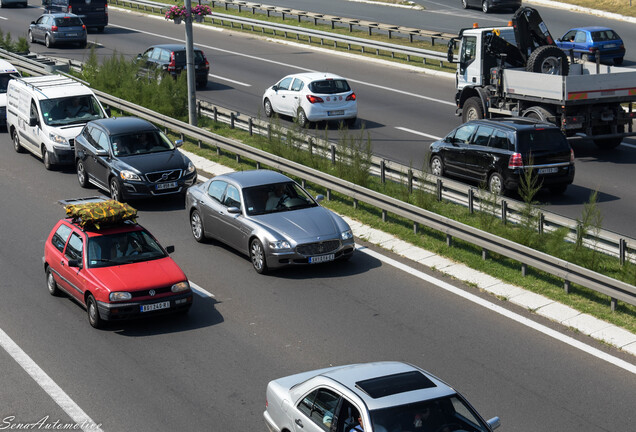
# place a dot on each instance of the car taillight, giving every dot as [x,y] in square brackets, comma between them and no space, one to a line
[69,9]
[352,96]
[314,99]
[571,156]
[172,66]
[83,27]
[207,63]
[515,161]
[54,28]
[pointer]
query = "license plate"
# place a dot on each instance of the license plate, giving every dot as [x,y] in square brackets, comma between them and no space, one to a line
[155,306]
[610,46]
[71,34]
[321,259]
[169,185]
[548,170]
[337,112]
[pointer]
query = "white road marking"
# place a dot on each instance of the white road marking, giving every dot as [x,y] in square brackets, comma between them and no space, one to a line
[265,60]
[502,311]
[436,138]
[230,80]
[197,289]
[58,395]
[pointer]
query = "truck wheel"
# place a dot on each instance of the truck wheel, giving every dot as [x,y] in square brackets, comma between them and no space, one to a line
[548,59]
[472,109]
[608,143]
[538,113]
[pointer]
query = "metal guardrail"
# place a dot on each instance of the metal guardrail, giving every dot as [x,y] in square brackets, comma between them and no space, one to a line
[338,41]
[570,273]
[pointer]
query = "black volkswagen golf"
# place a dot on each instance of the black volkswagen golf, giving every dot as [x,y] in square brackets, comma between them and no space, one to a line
[497,152]
[131,158]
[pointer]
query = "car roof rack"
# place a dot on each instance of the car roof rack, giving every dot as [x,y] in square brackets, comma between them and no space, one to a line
[75,201]
[98,212]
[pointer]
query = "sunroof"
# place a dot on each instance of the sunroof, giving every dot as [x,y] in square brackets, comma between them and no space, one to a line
[394,384]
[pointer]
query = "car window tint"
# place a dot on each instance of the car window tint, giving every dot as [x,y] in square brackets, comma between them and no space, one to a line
[232,197]
[329,86]
[74,247]
[580,37]
[284,84]
[297,85]
[463,133]
[255,199]
[60,237]
[155,54]
[68,22]
[482,136]
[148,53]
[569,36]
[164,56]
[34,110]
[319,407]
[96,136]
[604,35]
[102,143]
[533,141]
[216,189]
[499,140]
[198,56]
[180,57]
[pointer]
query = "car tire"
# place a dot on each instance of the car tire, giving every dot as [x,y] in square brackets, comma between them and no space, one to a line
[47,41]
[93,313]
[496,184]
[196,225]
[30,37]
[472,110]
[558,189]
[485,7]
[585,57]
[115,189]
[16,143]
[301,118]
[437,166]
[51,285]
[257,255]
[548,59]
[82,175]
[46,159]
[607,143]
[618,61]
[267,106]
[464,4]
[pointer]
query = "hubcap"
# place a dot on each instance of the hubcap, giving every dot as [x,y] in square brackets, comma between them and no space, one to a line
[196,226]
[50,281]
[437,167]
[80,173]
[114,190]
[551,66]
[495,185]
[257,255]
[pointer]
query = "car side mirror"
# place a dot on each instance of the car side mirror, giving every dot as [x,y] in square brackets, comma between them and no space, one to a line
[494,423]
[75,263]
[170,249]
[101,152]
[178,143]
[275,87]
[32,22]
[450,56]
[233,210]
[320,197]
[33,121]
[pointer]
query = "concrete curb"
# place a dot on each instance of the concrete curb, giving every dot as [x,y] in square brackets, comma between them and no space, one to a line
[575,8]
[543,306]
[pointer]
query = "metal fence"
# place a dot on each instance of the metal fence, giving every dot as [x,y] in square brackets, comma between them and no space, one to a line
[568,272]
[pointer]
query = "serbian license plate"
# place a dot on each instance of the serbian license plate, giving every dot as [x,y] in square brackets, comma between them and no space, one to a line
[321,259]
[71,34]
[610,46]
[548,170]
[155,306]
[336,112]
[169,185]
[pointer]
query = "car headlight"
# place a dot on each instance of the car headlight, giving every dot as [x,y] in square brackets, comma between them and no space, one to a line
[129,175]
[279,245]
[180,287]
[120,296]
[190,168]
[58,139]
[346,235]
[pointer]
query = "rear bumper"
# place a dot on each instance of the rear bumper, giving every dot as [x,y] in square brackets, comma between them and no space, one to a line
[565,176]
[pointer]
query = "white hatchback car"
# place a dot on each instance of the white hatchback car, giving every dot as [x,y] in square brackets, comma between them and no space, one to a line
[311,97]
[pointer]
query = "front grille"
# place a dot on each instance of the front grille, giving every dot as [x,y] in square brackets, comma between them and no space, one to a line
[318,248]
[144,293]
[164,176]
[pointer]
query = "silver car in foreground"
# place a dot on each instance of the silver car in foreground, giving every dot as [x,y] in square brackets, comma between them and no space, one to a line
[374,397]
[270,218]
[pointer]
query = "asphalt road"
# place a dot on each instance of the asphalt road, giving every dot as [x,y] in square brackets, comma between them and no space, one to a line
[208,370]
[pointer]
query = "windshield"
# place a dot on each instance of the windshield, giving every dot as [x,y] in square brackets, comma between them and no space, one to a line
[122,248]
[276,197]
[446,414]
[4,82]
[140,143]
[70,110]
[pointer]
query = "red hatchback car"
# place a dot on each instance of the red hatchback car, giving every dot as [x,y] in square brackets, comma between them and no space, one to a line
[117,272]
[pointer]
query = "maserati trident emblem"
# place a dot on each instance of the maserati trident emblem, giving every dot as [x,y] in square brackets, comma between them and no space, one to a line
[152,293]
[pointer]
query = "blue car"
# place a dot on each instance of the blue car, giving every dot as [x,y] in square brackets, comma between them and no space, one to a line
[586,42]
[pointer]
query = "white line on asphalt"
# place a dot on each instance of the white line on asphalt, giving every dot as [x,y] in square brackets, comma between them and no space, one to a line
[81,419]
[264,60]
[230,80]
[197,289]
[418,133]
[502,311]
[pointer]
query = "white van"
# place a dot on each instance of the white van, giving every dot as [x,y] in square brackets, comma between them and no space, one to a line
[46,113]
[7,71]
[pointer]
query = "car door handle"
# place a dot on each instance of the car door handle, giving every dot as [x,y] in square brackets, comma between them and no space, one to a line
[299,422]
[62,263]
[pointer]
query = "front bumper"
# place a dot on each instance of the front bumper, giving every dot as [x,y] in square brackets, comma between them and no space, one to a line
[131,310]
[145,189]
[62,156]
[277,259]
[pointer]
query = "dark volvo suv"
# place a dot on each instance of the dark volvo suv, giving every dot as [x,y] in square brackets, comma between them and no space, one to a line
[497,151]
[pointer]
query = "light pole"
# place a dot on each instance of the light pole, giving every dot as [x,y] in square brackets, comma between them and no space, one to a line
[192,98]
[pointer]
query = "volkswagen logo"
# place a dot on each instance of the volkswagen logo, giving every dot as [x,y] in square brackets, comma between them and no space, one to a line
[152,293]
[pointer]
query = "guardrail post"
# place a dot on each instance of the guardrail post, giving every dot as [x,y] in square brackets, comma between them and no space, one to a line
[199,108]
[310,144]
[249,125]
[471,199]
[181,136]
[415,227]
[216,115]
[269,132]
[410,179]
[199,142]
[355,203]
[439,189]
[566,286]
[328,194]
[303,183]
[622,247]
[238,158]
[613,303]
[484,254]
[231,120]
[541,222]
[504,211]
[383,215]
[524,269]
[258,166]
[383,171]
[449,240]
[333,154]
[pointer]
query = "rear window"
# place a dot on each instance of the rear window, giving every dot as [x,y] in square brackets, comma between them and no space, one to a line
[68,22]
[604,35]
[541,140]
[180,57]
[329,86]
